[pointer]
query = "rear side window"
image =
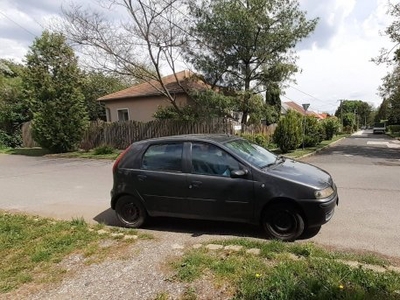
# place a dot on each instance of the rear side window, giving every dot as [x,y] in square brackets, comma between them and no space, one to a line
[163,157]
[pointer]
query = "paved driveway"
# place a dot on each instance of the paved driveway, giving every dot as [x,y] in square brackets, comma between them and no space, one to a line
[365,167]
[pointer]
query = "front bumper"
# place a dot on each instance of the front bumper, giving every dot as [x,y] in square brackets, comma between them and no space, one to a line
[319,211]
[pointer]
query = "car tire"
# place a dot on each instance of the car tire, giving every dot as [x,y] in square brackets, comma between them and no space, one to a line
[310,232]
[283,222]
[130,212]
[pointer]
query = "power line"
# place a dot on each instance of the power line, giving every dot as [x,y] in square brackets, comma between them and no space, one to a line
[19,25]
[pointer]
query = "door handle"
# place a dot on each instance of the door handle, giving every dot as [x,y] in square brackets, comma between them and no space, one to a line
[195,184]
[141,177]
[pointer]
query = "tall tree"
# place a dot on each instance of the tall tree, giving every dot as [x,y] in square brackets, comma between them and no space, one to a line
[13,107]
[390,88]
[53,85]
[145,38]
[246,45]
[354,112]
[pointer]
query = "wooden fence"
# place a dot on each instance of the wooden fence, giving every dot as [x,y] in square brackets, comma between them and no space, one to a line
[120,135]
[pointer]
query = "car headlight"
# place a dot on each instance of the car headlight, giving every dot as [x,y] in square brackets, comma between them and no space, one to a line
[325,193]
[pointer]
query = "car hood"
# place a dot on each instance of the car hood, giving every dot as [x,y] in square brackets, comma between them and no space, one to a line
[301,172]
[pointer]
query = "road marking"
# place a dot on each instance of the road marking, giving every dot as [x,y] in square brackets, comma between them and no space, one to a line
[388,144]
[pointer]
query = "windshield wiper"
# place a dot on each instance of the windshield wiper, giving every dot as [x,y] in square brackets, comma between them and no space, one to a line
[279,158]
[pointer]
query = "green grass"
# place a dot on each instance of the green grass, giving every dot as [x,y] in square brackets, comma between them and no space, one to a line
[315,274]
[31,248]
[95,153]
[300,152]
[88,154]
[25,151]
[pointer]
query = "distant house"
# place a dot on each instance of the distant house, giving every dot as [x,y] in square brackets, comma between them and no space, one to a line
[141,101]
[298,108]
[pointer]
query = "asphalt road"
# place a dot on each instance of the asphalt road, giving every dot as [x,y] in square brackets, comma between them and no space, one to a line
[365,167]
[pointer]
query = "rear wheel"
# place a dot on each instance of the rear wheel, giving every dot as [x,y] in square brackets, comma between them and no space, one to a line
[283,222]
[130,212]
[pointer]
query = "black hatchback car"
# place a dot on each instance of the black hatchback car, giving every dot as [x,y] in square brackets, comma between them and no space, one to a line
[221,177]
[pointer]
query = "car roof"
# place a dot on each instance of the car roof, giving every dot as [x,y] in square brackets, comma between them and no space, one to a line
[218,138]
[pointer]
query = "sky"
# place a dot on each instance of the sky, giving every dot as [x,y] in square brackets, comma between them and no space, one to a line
[335,60]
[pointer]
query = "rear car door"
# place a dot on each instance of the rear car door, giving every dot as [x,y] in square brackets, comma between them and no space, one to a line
[212,193]
[160,180]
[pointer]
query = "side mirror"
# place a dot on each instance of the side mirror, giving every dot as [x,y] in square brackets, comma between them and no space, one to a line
[239,173]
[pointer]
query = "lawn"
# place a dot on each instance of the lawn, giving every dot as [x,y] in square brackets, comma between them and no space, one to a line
[288,271]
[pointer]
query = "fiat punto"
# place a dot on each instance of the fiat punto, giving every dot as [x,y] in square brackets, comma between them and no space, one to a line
[221,177]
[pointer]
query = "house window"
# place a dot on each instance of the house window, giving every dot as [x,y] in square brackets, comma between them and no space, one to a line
[123,114]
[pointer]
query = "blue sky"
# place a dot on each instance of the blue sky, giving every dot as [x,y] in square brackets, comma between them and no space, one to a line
[335,59]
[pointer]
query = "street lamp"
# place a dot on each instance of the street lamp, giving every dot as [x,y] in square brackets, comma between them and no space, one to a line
[305,107]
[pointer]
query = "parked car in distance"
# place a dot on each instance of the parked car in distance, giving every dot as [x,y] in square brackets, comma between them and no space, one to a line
[379,128]
[221,177]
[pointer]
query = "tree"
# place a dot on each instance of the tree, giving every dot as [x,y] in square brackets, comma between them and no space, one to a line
[390,92]
[246,45]
[53,83]
[354,113]
[288,133]
[13,107]
[205,104]
[96,85]
[390,89]
[147,40]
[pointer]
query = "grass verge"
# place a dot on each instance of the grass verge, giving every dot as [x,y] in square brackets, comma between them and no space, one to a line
[32,248]
[288,271]
[300,152]
[75,154]
[25,151]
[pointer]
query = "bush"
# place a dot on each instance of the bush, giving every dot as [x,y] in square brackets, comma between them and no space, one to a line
[258,139]
[394,128]
[8,140]
[288,133]
[105,149]
[314,133]
[331,126]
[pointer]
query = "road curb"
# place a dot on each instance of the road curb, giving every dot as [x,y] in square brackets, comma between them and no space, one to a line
[319,150]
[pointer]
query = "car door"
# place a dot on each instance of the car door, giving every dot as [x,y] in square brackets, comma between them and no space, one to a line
[160,180]
[213,193]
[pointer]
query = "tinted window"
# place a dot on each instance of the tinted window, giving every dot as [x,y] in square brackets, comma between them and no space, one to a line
[208,159]
[166,157]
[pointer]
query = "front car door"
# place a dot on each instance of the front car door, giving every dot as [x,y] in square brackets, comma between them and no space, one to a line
[212,193]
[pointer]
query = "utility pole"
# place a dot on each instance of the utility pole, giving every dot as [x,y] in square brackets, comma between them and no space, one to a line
[341,113]
[305,107]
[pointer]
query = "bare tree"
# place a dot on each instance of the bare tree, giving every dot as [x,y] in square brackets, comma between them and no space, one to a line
[145,38]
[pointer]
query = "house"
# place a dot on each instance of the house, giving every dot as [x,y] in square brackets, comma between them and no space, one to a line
[141,101]
[296,107]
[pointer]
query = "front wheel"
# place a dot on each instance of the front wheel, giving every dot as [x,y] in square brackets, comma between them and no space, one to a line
[130,212]
[283,222]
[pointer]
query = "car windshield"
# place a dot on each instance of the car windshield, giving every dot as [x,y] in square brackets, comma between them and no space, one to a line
[252,153]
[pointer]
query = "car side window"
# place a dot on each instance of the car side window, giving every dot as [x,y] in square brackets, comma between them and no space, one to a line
[163,157]
[208,159]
